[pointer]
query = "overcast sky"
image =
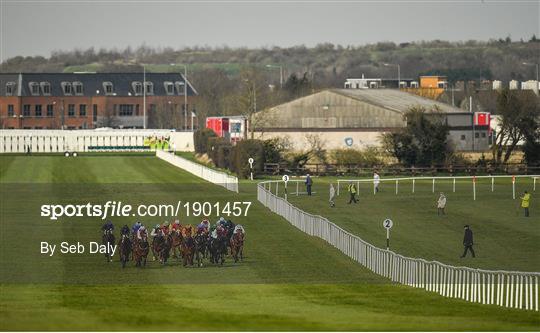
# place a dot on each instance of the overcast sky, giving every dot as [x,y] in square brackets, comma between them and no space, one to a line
[40,26]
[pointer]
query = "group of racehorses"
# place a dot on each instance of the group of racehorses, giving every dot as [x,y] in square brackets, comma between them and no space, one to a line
[183,244]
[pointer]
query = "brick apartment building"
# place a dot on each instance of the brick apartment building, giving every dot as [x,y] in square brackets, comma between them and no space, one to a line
[93,100]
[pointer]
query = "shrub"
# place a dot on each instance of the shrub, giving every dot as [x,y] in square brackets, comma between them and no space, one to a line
[219,150]
[200,139]
[243,151]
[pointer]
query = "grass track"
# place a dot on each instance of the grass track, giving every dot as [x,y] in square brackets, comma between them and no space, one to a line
[289,281]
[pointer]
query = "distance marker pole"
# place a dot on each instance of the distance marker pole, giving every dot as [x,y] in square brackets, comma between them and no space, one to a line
[514,187]
[387,239]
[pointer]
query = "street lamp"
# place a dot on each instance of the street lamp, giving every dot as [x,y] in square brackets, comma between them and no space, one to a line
[185,96]
[254,101]
[280,73]
[531,64]
[398,72]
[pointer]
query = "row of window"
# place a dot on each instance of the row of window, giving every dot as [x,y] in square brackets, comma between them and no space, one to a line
[76,88]
[38,110]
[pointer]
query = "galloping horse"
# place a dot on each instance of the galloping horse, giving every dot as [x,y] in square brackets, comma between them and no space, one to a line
[124,246]
[162,247]
[176,243]
[188,249]
[218,249]
[108,240]
[201,247]
[140,250]
[237,245]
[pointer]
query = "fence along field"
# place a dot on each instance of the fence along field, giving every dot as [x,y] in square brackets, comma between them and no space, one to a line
[201,171]
[503,288]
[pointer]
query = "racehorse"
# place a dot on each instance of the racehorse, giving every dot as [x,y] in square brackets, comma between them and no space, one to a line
[176,244]
[237,245]
[124,246]
[188,249]
[140,250]
[218,249]
[108,240]
[163,248]
[201,247]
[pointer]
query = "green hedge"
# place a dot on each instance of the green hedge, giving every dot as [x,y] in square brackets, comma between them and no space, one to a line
[242,152]
[200,139]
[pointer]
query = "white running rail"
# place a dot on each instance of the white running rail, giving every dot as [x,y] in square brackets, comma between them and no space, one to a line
[201,171]
[412,181]
[504,288]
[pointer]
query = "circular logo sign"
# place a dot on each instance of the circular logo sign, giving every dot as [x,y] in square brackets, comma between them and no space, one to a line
[250,160]
[285,178]
[349,141]
[388,224]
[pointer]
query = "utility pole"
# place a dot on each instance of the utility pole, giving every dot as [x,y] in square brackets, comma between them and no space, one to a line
[144,97]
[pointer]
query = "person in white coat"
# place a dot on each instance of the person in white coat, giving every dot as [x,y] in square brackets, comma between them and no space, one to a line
[332,195]
[441,204]
[376,181]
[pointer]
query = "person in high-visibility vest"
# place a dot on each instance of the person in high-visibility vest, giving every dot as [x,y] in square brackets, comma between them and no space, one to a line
[352,192]
[525,199]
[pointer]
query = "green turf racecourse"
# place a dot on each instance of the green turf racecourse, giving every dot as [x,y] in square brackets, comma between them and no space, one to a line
[288,280]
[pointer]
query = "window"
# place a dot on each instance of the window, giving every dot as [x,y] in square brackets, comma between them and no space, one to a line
[78,87]
[180,87]
[476,135]
[125,110]
[137,109]
[10,88]
[137,87]
[50,110]
[82,110]
[169,88]
[10,110]
[483,134]
[38,110]
[462,137]
[149,88]
[26,110]
[94,113]
[71,110]
[66,87]
[45,88]
[108,88]
[34,88]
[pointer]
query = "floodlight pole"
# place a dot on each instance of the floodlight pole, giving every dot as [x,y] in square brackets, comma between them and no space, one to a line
[144,96]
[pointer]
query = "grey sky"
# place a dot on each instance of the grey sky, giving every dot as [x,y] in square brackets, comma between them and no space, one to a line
[39,27]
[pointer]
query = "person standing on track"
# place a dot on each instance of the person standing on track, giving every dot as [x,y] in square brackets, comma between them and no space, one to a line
[441,204]
[352,192]
[309,183]
[468,242]
[376,181]
[525,200]
[332,195]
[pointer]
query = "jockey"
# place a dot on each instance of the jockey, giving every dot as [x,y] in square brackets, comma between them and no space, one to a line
[203,227]
[176,226]
[156,231]
[214,234]
[125,230]
[239,228]
[221,221]
[136,227]
[221,230]
[165,228]
[140,232]
[107,227]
